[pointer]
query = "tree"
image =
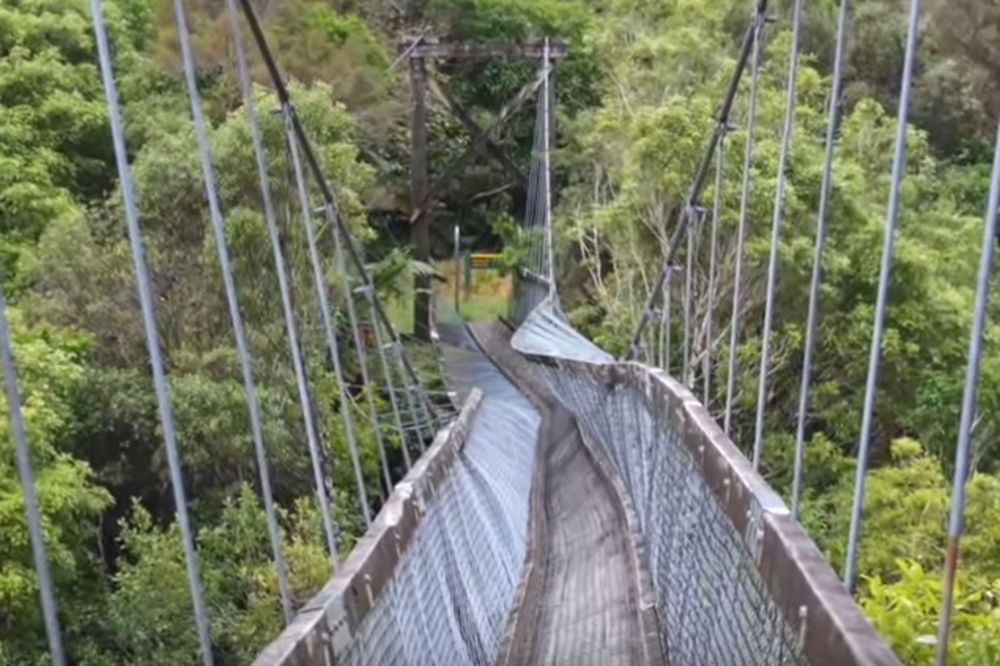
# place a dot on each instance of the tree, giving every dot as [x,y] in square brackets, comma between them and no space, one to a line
[50,365]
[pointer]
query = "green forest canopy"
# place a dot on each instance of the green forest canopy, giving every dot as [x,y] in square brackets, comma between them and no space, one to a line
[635,102]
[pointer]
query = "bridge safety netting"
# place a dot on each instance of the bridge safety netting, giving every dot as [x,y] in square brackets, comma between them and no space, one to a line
[452,590]
[714,536]
[713,604]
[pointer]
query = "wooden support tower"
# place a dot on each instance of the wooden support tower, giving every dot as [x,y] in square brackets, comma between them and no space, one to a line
[420,50]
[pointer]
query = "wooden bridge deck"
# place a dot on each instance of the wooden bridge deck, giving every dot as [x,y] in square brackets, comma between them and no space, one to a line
[581,589]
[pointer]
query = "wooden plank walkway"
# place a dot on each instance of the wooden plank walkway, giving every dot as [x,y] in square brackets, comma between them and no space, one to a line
[579,601]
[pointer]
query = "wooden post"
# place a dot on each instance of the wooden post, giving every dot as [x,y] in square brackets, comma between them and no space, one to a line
[420,229]
[467,261]
[458,269]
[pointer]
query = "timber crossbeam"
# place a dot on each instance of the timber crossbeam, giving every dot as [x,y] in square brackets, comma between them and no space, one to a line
[441,48]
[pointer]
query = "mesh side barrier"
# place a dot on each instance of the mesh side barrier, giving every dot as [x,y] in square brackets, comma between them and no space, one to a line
[451,593]
[529,292]
[714,606]
[734,580]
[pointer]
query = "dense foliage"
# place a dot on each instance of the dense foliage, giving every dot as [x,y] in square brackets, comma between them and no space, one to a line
[636,96]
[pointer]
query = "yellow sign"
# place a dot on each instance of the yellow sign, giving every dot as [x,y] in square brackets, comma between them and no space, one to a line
[485,259]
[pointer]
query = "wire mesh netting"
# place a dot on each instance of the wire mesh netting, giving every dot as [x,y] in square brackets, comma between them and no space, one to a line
[714,606]
[534,282]
[451,593]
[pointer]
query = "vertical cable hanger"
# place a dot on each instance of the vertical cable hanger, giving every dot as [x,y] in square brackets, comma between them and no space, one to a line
[22,460]
[822,217]
[779,205]
[734,323]
[712,277]
[312,436]
[225,265]
[700,177]
[686,368]
[547,168]
[665,321]
[962,449]
[885,269]
[152,338]
[359,348]
[312,161]
[323,298]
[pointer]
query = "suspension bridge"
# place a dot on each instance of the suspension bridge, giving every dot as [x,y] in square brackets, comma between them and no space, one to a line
[564,506]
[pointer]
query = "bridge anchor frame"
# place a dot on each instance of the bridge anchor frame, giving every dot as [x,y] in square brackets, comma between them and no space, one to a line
[420,50]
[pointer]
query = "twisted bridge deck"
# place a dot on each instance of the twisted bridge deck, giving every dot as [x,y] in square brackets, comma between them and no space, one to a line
[582,591]
[580,513]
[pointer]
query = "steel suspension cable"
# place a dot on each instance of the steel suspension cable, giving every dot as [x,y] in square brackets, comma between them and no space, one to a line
[812,316]
[152,337]
[416,398]
[311,159]
[22,460]
[531,197]
[359,350]
[779,209]
[878,326]
[225,265]
[547,167]
[368,293]
[255,422]
[712,261]
[962,449]
[536,203]
[342,240]
[734,323]
[665,322]
[700,177]
[535,245]
[323,298]
[688,285]
[389,383]
[394,364]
